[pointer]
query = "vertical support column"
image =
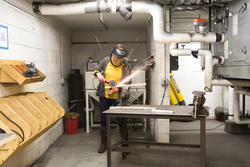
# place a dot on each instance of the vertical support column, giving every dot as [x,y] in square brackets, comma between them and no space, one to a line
[231,101]
[144,96]
[87,111]
[108,120]
[203,141]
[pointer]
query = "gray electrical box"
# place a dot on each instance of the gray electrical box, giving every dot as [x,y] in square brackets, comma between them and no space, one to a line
[235,23]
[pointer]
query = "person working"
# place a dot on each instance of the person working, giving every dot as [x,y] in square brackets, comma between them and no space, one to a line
[111,68]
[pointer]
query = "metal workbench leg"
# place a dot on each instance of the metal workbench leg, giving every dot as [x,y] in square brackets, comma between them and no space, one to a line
[87,111]
[108,120]
[144,96]
[203,142]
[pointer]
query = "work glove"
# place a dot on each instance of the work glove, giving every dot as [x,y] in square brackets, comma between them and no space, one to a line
[100,77]
[113,90]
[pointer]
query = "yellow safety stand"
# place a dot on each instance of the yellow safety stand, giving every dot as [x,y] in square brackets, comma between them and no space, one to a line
[173,100]
[23,118]
[175,92]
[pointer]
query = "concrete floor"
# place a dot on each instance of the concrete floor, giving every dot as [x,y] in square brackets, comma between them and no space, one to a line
[80,150]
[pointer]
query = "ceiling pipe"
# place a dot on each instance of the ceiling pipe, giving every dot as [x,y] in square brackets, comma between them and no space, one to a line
[73,8]
[162,36]
[154,9]
[208,61]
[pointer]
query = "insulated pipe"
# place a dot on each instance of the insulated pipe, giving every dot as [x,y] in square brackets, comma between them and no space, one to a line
[179,52]
[208,62]
[154,9]
[159,33]
[73,8]
[221,82]
[208,68]
[162,36]
[209,37]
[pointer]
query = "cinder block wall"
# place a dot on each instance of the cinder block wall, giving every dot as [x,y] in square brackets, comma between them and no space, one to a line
[36,39]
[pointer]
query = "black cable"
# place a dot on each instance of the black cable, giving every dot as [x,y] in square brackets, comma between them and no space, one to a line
[17,134]
[163,94]
[14,124]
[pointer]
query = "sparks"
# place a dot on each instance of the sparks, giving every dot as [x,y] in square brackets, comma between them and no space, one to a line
[143,66]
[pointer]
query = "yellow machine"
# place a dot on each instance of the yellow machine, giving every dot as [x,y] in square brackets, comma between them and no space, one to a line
[175,93]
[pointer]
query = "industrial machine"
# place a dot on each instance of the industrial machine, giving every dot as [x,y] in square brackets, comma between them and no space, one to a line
[233,20]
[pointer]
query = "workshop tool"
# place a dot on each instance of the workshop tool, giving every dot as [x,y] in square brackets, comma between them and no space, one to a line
[112,83]
[31,70]
[124,96]
[198,102]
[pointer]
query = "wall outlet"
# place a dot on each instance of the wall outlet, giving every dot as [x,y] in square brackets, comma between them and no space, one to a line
[164,82]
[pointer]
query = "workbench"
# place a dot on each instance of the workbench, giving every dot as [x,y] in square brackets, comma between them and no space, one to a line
[161,112]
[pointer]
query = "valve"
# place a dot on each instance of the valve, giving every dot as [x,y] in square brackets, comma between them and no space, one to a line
[200,26]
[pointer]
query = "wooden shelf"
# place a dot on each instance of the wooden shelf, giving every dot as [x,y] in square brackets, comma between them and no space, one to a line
[34,113]
[12,71]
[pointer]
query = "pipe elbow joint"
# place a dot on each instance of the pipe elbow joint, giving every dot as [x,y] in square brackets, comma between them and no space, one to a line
[36,7]
[125,12]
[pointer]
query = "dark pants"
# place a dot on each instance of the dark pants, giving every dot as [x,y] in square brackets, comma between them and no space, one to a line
[104,105]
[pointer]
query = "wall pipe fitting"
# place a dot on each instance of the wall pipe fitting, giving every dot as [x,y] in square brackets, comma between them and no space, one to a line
[208,62]
[159,33]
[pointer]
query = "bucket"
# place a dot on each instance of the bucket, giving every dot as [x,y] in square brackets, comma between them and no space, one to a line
[71,123]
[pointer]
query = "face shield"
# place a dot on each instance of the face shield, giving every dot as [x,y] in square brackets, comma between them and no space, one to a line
[121,54]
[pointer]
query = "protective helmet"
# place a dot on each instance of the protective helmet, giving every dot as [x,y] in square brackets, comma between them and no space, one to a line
[119,51]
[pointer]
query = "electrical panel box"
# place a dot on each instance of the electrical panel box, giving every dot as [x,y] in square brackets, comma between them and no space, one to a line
[234,22]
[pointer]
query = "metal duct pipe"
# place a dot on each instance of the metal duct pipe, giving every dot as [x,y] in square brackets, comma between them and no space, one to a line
[162,36]
[154,9]
[159,33]
[73,8]
[208,62]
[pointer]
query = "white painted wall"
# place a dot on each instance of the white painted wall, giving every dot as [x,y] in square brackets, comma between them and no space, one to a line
[36,39]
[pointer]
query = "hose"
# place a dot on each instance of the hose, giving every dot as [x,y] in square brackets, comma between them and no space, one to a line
[21,136]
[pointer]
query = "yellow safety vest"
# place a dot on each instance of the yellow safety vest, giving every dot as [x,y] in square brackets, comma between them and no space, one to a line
[113,73]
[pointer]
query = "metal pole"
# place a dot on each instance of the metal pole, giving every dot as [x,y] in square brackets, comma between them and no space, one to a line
[203,141]
[243,106]
[210,21]
[108,120]
[87,111]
